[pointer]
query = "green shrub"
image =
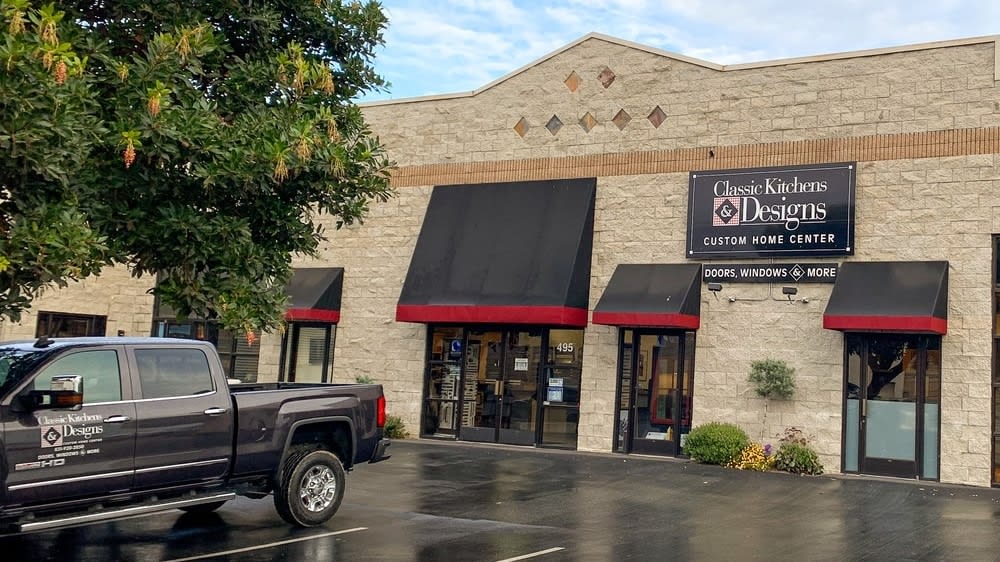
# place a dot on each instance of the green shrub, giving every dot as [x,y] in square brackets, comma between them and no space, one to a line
[716,443]
[772,378]
[395,428]
[364,379]
[797,458]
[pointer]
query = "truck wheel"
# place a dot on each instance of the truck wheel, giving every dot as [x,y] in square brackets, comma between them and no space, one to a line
[202,508]
[311,487]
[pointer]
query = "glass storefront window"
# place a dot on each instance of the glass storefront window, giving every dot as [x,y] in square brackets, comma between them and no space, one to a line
[506,385]
[61,325]
[996,361]
[308,352]
[891,404]
[655,391]
[239,359]
[562,381]
[443,380]
[622,421]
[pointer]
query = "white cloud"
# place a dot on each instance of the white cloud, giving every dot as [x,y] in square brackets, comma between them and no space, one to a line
[461,45]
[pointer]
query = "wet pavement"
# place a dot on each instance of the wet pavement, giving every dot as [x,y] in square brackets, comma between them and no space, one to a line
[450,501]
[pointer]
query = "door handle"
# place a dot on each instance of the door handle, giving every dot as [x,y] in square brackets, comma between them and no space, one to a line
[216,411]
[116,419]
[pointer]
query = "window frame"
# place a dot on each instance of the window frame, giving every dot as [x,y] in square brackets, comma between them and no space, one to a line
[97,325]
[142,395]
[290,346]
[124,383]
[995,368]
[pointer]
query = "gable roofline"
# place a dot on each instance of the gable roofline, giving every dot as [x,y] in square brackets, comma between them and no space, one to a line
[705,64]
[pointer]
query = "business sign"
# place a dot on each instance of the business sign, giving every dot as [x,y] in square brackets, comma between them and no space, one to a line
[772,212]
[770,273]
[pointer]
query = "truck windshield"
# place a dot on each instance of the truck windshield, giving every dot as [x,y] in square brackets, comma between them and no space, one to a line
[15,364]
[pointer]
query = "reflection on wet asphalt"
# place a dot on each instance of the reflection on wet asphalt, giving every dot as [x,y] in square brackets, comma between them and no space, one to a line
[447,501]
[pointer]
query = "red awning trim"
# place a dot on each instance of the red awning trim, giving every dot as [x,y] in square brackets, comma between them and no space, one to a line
[648,319]
[910,324]
[470,314]
[312,315]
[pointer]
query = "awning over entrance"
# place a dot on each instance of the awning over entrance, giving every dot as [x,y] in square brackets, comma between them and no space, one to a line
[314,294]
[505,253]
[889,297]
[652,295]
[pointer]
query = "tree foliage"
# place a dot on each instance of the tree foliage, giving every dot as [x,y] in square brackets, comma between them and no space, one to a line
[197,141]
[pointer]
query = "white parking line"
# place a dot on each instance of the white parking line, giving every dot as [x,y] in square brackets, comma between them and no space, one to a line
[273,544]
[533,554]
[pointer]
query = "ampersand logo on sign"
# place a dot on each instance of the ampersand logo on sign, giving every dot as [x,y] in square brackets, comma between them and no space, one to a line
[727,212]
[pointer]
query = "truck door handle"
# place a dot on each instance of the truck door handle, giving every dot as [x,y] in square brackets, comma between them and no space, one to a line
[116,419]
[216,411]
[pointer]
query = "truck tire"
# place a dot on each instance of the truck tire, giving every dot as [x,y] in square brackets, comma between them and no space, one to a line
[202,508]
[310,487]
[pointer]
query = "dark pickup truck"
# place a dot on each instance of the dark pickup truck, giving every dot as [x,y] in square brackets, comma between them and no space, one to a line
[95,429]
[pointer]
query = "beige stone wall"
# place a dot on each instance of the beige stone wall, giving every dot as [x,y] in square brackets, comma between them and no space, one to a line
[375,257]
[115,294]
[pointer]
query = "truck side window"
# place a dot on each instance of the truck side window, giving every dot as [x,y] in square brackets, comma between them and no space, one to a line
[102,380]
[164,373]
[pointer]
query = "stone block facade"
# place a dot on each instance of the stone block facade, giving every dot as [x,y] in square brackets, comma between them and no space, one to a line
[123,299]
[922,123]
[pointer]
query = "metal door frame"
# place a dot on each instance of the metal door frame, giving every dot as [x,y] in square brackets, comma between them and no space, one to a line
[628,436]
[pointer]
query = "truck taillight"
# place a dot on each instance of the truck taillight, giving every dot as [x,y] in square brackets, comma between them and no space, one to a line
[380,414]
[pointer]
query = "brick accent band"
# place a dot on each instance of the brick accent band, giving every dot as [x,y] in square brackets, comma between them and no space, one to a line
[871,148]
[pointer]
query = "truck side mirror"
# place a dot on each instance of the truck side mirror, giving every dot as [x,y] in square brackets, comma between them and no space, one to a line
[65,393]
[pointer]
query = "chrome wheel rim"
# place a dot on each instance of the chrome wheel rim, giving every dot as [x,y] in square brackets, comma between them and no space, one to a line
[318,488]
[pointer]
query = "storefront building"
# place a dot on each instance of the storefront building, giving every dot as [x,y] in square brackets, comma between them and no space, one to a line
[589,253]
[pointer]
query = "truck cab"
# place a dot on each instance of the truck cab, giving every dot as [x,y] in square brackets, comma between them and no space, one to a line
[120,420]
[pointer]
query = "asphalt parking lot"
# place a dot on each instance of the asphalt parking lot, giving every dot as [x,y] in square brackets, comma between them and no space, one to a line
[451,501]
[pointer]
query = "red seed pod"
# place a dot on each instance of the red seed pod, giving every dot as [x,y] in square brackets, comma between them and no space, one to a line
[129,155]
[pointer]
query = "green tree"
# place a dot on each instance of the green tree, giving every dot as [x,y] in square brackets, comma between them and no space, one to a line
[197,141]
[771,378]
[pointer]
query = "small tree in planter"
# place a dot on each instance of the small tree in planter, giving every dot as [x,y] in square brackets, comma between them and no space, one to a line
[771,378]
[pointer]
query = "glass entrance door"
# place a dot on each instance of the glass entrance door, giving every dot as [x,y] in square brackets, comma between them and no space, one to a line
[654,400]
[891,405]
[503,367]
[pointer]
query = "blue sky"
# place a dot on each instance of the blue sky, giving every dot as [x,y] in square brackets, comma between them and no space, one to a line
[450,46]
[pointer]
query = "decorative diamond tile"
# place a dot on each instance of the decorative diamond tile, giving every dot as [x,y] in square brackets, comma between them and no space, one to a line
[554,125]
[606,77]
[522,127]
[587,122]
[573,81]
[621,119]
[657,117]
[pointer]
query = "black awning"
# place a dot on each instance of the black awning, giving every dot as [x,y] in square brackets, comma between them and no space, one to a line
[314,294]
[655,295]
[509,253]
[890,297]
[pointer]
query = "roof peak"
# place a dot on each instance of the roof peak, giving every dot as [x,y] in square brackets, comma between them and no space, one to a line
[696,61]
